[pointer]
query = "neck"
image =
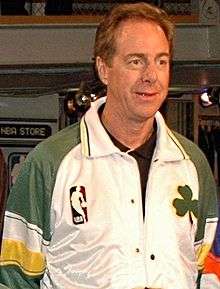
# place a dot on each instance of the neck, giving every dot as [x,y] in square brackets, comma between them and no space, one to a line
[130,133]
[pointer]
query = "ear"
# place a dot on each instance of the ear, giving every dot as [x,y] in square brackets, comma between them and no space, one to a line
[102,69]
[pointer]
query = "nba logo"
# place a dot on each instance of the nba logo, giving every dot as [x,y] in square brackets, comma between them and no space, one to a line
[78,205]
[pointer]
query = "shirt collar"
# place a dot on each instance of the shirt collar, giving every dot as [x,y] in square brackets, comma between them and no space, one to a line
[97,143]
[145,150]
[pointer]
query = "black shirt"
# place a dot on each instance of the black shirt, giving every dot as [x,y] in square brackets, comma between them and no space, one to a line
[143,155]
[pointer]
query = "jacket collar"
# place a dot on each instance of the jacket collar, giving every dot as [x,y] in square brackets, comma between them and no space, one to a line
[168,148]
[97,143]
[95,140]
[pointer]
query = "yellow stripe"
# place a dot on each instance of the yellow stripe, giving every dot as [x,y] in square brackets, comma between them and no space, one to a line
[177,143]
[15,253]
[201,255]
[84,138]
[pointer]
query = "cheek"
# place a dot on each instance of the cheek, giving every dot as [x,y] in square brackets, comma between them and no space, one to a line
[164,80]
[120,80]
[166,77]
[130,80]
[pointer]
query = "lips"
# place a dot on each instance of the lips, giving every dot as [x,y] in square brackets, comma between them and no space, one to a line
[146,94]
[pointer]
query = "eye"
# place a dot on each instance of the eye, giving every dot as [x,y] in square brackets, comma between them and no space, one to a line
[163,62]
[136,63]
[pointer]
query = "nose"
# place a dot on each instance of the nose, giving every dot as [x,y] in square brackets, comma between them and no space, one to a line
[149,74]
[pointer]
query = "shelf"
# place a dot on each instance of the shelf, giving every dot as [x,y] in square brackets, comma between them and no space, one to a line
[77,19]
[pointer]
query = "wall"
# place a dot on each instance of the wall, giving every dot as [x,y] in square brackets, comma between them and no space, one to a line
[73,43]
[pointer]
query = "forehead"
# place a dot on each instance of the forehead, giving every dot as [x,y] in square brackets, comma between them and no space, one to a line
[141,35]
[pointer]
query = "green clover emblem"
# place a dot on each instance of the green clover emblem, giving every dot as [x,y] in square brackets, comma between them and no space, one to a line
[186,204]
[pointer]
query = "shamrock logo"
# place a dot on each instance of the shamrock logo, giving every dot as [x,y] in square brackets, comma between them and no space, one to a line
[186,204]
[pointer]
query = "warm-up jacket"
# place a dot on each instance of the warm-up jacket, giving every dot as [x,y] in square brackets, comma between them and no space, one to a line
[74,217]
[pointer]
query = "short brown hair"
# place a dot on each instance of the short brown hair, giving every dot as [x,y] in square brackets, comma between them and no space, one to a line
[105,40]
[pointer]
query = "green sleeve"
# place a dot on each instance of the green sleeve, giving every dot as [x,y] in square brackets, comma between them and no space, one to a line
[14,279]
[207,203]
[26,226]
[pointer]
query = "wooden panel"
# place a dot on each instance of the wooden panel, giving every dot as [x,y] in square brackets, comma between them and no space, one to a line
[76,19]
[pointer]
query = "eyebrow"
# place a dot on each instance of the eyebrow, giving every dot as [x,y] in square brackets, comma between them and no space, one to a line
[164,54]
[142,55]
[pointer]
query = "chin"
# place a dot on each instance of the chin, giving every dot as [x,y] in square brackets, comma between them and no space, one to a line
[144,117]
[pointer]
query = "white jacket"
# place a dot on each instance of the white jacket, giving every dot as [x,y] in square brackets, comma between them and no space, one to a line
[86,226]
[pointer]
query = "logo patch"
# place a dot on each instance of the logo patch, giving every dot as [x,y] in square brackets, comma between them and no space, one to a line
[78,204]
[186,204]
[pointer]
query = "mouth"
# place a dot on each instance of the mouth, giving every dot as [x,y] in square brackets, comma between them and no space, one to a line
[146,94]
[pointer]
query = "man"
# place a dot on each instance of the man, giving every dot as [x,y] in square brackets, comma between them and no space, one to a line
[85,212]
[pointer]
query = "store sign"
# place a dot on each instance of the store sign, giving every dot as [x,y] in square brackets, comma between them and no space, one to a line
[24,131]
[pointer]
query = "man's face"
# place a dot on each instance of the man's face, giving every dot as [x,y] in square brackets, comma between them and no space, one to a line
[137,79]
